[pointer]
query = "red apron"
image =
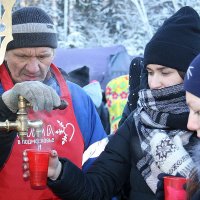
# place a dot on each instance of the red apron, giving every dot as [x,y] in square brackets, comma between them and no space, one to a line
[60,132]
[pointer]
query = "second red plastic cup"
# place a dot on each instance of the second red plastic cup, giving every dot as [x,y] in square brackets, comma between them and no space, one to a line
[38,166]
[173,187]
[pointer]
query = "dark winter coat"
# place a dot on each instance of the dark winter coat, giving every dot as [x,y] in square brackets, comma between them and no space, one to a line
[112,169]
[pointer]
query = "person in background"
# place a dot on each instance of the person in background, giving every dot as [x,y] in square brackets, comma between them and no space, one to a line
[81,76]
[192,87]
[116,97]
[154,138]
[75,132]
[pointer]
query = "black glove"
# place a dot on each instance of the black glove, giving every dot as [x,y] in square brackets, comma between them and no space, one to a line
[196,195]
[160,194]
[160,186]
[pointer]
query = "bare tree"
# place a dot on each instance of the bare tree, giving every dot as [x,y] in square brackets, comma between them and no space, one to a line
[89,23]
[143,14]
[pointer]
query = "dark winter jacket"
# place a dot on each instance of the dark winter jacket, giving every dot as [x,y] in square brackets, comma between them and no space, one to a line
[117,161]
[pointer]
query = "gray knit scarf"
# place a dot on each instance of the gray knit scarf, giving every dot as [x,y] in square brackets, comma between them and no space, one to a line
[157,114]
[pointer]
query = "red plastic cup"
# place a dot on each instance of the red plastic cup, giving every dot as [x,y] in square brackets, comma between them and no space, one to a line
[173,187]
[38,166]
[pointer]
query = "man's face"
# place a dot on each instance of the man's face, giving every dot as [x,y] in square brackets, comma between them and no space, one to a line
[29,64]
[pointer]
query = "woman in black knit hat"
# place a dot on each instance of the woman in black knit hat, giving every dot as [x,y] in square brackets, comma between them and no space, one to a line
[154,139]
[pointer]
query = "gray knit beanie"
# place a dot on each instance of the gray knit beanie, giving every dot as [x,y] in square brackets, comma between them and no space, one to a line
[32,27]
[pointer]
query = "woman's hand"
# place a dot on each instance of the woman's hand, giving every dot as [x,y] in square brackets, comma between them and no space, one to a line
[54,167]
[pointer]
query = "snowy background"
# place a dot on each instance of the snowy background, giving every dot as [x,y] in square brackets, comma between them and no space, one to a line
[104,23]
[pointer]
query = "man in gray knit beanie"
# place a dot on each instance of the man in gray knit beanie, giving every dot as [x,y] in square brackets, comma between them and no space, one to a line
[28,71]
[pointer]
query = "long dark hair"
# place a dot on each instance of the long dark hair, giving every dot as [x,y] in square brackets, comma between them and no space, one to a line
[181,74]
[193,183]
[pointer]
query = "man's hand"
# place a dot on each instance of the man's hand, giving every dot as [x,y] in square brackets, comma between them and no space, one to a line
[41,96]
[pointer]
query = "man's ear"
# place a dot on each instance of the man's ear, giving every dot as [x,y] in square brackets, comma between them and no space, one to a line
[54,52]
[5,57]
